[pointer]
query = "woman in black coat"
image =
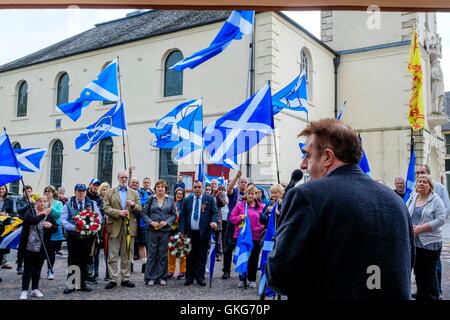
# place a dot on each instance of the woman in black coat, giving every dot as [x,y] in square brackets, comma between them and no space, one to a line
[38,225]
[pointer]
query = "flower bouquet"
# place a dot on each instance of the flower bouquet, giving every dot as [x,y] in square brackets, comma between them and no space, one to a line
[88,222]
[179,245]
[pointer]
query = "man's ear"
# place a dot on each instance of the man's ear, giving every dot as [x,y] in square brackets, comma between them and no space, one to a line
[329,157]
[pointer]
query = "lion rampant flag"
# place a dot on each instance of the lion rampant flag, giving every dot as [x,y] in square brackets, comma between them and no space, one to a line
[416,114]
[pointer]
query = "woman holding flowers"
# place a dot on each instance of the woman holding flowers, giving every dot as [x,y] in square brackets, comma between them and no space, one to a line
[159,213]
[179,197]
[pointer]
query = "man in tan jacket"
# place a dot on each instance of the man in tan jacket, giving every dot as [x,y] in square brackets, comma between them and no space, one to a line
[120,204]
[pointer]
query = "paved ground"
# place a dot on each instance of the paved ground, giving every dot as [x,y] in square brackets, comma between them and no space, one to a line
[175,290]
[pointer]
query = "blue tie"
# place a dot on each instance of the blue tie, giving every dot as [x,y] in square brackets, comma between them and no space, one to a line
[197,205]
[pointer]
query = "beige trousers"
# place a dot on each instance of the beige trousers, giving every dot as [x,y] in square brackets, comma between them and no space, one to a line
[117,253]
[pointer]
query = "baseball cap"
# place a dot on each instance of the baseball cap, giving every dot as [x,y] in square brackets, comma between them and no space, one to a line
[80,187]
[95,181]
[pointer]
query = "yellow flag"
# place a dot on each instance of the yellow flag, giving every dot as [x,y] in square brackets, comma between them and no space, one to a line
[416,114]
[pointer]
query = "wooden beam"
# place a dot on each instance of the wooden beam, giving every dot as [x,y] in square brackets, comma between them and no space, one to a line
[263,5]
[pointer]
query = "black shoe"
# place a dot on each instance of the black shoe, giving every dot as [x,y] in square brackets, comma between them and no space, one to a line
[68,291]
[225,275]
[414,295]
[91,280]
[188,282]
[127,284]
[143,268]
[86,289]
[201,283]
[111,285]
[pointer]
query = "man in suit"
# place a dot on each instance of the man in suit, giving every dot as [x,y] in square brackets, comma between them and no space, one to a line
[342,235]
[120,204]
[198,218]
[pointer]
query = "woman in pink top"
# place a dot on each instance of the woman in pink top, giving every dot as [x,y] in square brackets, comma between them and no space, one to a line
[237,217]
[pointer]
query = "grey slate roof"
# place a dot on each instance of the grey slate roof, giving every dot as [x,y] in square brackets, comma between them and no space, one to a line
[131,28]
[447,109]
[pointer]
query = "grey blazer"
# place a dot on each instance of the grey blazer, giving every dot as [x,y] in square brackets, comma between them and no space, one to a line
[153,212]
[433,213]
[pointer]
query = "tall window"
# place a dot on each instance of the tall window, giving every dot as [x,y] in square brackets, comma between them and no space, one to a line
[173,80]
[306,65]
[105,160]
[22,99]
[56,167]
[62,95]
[168,170]
[14,186]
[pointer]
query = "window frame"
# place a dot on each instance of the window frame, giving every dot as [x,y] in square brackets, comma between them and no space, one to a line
[101,157]
[19,96]
[53,179]
[172,74]
[59,88]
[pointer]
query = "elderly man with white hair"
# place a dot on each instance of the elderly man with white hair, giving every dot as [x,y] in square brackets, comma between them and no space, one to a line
[120,205]
[399,184]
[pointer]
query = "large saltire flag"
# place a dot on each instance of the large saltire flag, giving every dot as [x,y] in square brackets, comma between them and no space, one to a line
[411,175]
[416,114]
[239,23]
[293,97]
[30,159]
[104,88]
[9,168]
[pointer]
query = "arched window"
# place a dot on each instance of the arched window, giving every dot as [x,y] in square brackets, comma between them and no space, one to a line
[105,160]
[56,166]
[14,186]
[173,80]
[168,170]
[62,95]
[306,65]
[22,99]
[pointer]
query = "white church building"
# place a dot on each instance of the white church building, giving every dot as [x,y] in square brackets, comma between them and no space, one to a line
[365,67]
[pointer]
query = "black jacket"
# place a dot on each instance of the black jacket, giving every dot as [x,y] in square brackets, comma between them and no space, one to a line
[332,230]
[29,220]
[8,207]
[208,214]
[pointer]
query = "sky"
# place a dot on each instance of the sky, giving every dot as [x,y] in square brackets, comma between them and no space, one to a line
[25,31]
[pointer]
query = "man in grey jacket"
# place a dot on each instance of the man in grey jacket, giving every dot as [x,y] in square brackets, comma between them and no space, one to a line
[442,192]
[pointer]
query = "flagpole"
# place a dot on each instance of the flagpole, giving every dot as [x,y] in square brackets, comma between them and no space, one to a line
[123,118]
[42,171]
[252,84]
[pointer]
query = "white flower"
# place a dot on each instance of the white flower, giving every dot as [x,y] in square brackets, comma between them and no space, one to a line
[82,233]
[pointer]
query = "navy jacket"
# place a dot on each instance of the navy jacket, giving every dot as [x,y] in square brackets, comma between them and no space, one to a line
[332,230]
[208,214]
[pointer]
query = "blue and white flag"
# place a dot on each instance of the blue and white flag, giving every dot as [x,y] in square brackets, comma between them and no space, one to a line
[9,169]
[411,175]
[181,128]
[269,242]
[364,163]
[208,179]
[211,259]
[111,124]
[244,246]
[104,88]
[12,240]
[240,129]
[239,23]
[30,159]
[293,97]
[341,111]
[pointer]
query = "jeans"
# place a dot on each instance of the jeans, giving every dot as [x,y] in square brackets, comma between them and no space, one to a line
[426,275]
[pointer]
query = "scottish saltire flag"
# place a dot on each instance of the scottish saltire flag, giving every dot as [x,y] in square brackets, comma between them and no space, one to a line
[240,129]
[9,169]
[30,159]
[269,242]
[239,23]
[293,97]
[111,124]
[211,258]
[104,88]
[208,179]
[201,174]
[411,175]
[181,128]
[364,163]
[341,111]
[244,246]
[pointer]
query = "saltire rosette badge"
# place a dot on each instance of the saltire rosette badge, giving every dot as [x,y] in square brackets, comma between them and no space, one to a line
[88,222]
[179,245]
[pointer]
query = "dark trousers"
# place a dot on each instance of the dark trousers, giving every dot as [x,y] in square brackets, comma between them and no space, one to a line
[158,261]
[252,263]
[425,272]
[79,250]
[196,259]
[228,244]
[439,275]
[55,246]
[33,262]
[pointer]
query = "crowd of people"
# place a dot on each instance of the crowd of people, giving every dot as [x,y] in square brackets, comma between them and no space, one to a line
[329,230]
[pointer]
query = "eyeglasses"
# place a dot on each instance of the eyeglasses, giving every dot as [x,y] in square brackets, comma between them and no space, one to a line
[197,187]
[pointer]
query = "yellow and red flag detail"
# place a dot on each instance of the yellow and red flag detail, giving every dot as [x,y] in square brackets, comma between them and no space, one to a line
[416,114]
